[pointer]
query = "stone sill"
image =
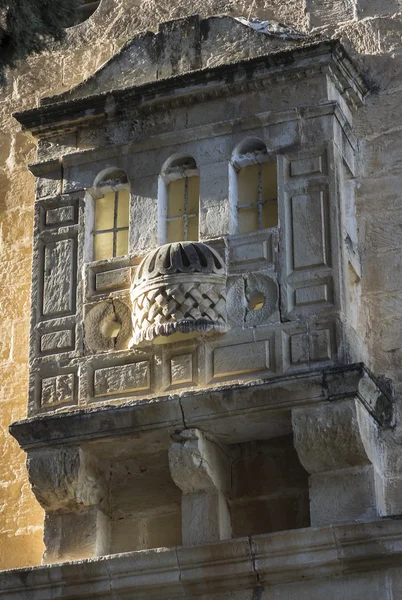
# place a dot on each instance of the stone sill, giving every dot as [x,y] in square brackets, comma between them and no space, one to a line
[236,412]
[244,563]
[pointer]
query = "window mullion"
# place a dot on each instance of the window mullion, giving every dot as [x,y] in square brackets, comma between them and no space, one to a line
[259,196]
[185,213]
[116,203]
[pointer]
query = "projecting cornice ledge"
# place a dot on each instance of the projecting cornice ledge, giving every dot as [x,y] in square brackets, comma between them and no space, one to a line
[324,58]
[232,565]
[235,413]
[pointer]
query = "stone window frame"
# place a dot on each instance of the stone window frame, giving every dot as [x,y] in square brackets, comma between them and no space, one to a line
[176,167]
[112,179]
[250,151]
[85,11]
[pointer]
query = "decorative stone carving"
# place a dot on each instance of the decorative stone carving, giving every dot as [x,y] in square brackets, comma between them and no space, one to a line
[179,287]
[108,326]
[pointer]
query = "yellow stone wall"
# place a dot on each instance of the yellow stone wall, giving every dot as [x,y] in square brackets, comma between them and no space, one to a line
[371,36]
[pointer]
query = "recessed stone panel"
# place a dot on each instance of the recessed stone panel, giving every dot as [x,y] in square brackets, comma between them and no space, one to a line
[58,389]
[59,277]
[307,166]
[241,359]
[250,251]
[298,348]
[57,341]
[295,349]
[129,378]
[312,293]
[181,369]
[309,230]
[321,345]
[63,215]
[114,279]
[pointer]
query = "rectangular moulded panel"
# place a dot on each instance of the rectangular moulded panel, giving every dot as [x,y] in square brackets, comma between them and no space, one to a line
[59,258]
[57,390]
[322,344]
[311,294]
[62,215]
[181,369]
[113,279]
[309,230]
[57,212]
[307,166]
[241,359]
[55,342]
[314,293]
[295,349]
[298,348]
[122,379]
[250,251]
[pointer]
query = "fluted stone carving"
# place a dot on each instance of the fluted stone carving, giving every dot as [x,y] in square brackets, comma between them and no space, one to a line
[179,287]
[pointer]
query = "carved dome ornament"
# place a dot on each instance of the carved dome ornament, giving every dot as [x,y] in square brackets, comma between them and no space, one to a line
[179,287]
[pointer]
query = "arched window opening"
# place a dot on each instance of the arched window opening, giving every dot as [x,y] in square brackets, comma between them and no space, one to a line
[256,187]
[111,215]
[182,180]
[85,9]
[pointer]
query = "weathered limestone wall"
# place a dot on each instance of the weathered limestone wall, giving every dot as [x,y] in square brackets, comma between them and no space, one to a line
[369,29]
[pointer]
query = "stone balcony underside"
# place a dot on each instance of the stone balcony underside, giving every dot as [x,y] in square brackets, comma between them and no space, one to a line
[232,413]
[368,556]
[174,461]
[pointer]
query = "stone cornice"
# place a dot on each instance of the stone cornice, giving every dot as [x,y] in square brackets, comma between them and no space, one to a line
[262,408]
[227,566]
[308,61]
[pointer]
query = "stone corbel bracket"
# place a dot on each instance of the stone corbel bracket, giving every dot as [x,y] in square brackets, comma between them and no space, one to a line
[73,490]
[201,469]
[349,451]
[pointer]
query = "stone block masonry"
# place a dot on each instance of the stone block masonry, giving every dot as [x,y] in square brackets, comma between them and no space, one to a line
[353,567]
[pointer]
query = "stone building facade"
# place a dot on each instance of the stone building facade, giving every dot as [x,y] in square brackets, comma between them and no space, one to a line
[213,339]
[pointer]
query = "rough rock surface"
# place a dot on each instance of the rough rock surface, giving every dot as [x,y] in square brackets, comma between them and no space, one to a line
[371,32]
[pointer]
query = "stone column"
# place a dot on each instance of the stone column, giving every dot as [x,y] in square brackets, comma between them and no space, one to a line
[328,442]
[201,469]
[71,488]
